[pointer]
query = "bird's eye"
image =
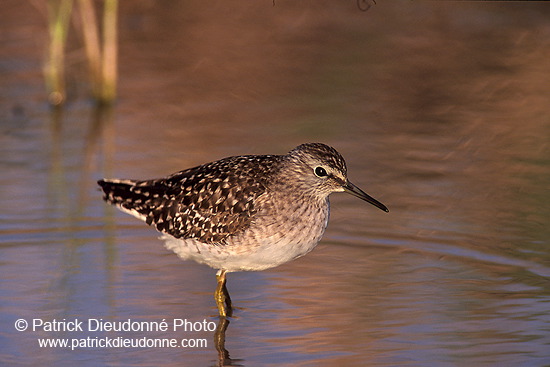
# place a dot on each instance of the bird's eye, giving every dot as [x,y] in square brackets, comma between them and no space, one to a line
[320,172]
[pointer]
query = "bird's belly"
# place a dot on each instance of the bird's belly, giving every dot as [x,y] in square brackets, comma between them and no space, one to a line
[264,245]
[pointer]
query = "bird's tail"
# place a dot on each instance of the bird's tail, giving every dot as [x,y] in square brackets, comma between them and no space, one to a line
[145,200]
[117,192]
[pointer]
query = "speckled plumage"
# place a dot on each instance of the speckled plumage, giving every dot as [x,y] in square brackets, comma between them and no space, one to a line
[244,212]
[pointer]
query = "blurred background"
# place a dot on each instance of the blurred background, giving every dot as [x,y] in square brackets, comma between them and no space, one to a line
[440,108]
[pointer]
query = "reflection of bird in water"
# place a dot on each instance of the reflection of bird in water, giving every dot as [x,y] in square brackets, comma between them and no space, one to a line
[251,212]
[219,343]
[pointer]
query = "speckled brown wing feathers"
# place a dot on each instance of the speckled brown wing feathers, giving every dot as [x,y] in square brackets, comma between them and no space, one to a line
[208,203]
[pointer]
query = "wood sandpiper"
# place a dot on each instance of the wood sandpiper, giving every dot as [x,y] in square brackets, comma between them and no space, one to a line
[250,212]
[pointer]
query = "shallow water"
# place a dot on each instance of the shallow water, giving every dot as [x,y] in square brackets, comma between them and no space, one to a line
[441,110]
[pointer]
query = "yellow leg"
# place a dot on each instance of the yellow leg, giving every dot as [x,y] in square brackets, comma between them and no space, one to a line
[223,301]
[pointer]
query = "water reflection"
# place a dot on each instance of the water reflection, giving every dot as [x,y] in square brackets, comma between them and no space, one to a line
[219,342]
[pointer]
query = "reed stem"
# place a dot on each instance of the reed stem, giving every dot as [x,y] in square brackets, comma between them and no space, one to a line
[91,44]
[59,14]
[109,61]
[101,55]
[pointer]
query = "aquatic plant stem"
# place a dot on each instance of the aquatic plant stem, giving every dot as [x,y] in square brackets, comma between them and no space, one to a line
[59,14]
[109,57]
[91,45]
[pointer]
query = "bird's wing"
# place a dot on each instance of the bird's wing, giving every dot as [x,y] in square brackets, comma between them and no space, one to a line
[208,203]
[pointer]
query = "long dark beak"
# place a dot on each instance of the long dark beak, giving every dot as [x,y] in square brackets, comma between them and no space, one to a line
[355,191]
